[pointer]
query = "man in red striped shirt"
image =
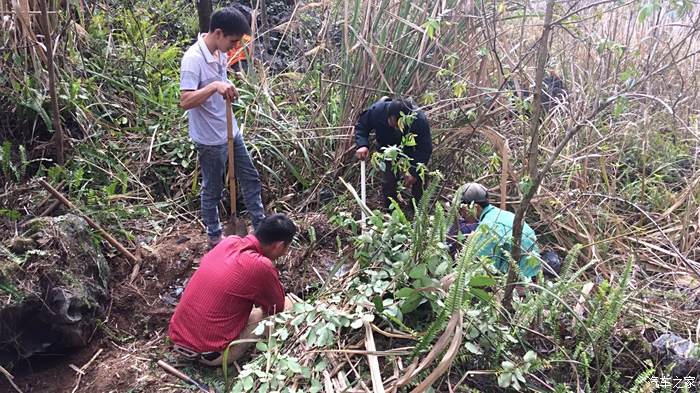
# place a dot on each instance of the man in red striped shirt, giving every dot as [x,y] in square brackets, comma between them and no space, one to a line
[217,305]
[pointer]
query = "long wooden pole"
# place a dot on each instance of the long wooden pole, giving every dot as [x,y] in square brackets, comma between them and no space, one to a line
[231,157]
[114,242]
[48,40]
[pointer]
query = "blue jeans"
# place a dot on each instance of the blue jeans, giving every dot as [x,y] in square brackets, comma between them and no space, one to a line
[213,160]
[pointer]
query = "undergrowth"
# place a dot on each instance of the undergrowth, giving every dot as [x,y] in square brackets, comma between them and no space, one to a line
[130,159]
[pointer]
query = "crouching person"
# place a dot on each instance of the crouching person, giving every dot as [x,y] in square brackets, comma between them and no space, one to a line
[495,242]
[234,288]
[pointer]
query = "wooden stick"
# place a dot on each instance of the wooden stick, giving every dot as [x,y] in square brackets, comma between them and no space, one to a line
[9,379]
[377,384]
[87,219]
[81,371]
[49,209]
[392,334]
[231,167]
[47,199]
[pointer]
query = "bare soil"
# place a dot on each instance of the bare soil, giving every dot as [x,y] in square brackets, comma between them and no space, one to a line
[134,334]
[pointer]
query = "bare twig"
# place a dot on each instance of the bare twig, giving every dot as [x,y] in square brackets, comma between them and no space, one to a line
[533,154]
[10,379]
[81,371]
[111,240]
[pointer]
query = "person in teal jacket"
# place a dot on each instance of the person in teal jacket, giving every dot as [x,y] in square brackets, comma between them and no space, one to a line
[495,232]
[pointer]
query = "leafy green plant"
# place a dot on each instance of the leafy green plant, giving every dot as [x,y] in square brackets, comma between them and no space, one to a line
[10,169]
[514,374]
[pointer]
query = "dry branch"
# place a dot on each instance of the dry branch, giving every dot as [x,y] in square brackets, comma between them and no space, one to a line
[111,240]
[10,379]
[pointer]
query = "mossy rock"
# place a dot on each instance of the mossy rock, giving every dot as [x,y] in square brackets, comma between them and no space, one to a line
[53,288]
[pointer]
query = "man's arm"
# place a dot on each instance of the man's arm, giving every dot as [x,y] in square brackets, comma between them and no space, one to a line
[191,95]
[362,130]
[270,295]
[193,98]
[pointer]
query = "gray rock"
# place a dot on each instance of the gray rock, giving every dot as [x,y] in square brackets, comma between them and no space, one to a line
[679,351]
[51,296]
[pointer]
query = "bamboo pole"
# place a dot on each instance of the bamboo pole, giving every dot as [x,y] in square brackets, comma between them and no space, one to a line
[375,372]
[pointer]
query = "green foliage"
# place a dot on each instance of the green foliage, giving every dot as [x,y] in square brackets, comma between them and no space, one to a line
[459,88]
[13,168]
[432,26]
[647,9]
[606,308]
[275,370]
[405,121]
[455,296]
[650,176]
[512,374]
[641,382]
[421,239]
[11,214]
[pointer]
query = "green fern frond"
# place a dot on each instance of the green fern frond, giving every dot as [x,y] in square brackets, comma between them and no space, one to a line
[439,233]
[569,262]
[611,308]
[640,383]
[455,297]
[422,219]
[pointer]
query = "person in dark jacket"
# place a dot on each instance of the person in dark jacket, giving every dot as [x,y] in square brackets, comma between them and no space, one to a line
[383,117]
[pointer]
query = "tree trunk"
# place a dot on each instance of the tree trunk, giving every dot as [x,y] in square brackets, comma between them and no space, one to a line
[265,24]
[533,155]
[204,13]
[48,41]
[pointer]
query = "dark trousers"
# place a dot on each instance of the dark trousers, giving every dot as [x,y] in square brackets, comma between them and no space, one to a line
[390,186]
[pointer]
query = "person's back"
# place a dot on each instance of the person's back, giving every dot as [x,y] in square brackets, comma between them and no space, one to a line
[220,295]
[386,118]
[497,228]
[376,118]
[217,306]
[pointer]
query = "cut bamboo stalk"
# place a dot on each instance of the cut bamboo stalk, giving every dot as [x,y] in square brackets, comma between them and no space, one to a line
[377,384]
